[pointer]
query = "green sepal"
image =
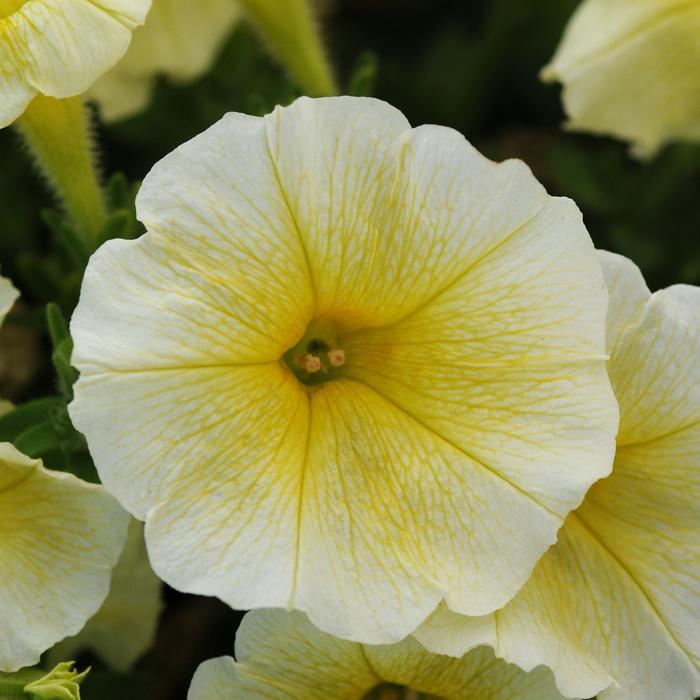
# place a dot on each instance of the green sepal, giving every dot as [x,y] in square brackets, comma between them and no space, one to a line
[62,683]
[62,350]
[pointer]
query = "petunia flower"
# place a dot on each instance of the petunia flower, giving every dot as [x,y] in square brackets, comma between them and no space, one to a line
[618,598]
[281,656]
[59,539]
[630,69]
[353,368]
[58,48]
[180,40]
[125,626]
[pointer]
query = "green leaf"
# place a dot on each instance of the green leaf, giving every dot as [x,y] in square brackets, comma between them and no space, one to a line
[119,224]
[364,75]
[67,237]
[28,415]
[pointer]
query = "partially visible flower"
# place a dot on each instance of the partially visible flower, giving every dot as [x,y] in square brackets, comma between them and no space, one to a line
[58,48]
[180,40]
[125,626]
[630,69]
[435,457]
[8,296]
[618,598]
[59,539]
[282,656]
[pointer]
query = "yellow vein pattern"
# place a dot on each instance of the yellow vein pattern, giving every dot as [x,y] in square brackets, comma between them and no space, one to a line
[616,601]
[281,656]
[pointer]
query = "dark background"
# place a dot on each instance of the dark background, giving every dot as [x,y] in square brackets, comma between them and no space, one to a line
[469,65]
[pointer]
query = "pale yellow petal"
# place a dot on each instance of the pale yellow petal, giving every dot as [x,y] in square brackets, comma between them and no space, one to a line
[628,296]
[8,296]
[230,458]
[629,69]
[59,539]
[394,517]
[281,656]
[180,40]
[619,595]
[60,47]
[124,627]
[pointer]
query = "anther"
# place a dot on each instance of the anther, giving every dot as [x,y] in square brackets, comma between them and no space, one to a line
[312,363]
[336,357]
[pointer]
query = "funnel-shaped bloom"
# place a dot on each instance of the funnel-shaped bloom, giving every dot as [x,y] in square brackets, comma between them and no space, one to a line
[125,626]
[618,598]
[354,368]
[180,39]
[282,656]
[59,48]
[59,539]
[630,69]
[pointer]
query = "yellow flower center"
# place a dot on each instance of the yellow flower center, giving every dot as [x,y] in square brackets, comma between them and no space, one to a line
[389,691]
[9,7]
[317,357]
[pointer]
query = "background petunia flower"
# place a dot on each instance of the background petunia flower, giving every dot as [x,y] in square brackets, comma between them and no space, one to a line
[180,40]
[618,598]
[58,48]
[630,69]
[125,626]
[59,539]
[8,296]
[354,368]
[281,655]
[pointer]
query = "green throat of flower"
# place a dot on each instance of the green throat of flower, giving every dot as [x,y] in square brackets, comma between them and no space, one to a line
[317,357]
[9,7]
[389,691]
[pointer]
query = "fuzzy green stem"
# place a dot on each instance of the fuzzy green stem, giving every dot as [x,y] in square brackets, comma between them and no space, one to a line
[290,29]
[59,137]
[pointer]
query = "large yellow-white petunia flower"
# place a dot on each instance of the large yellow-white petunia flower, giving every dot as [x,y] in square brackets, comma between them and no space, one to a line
[59,539]
[180,39]
[630,68]
[618,598]
[354,368]
[125,626]
[282,656]
[59,48]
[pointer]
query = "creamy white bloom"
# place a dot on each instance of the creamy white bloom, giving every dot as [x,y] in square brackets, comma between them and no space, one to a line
[125,626]
[282,656]
[617,600]
[435,457]
[59,539]
[180,40]
[58,48]
[630,69]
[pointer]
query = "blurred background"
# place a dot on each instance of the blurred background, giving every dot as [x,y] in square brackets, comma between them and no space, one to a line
[469,65]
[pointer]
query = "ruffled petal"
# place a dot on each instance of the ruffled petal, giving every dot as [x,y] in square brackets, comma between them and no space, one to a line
[59,539]
[282,656]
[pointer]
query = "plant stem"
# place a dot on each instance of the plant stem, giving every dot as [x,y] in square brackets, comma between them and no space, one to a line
[59,137]
[290,29]
[12,684]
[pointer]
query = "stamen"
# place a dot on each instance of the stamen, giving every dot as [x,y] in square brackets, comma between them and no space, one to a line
[336,357]
[312,363]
